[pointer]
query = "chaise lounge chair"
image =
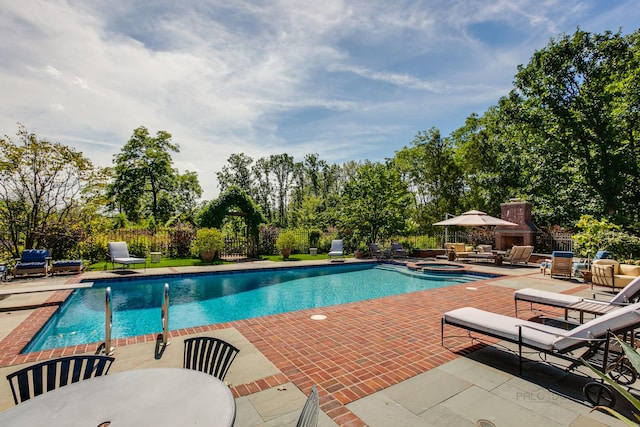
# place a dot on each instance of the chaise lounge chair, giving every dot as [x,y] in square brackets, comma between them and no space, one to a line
[559,342]
[519,255]
[119,254]
[337,250]
[535,296]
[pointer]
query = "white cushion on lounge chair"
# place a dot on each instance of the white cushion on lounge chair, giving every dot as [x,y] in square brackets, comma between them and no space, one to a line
[541,336]
[504,326]
[545,297]
[627,294]
[616,320]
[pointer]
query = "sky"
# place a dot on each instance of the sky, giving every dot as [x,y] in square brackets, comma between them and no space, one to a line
[347,80]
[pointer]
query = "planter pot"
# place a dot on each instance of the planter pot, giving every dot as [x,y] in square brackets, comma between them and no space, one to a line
[207,256]
[313,251]
[358,254]
[286,252]
[155,257]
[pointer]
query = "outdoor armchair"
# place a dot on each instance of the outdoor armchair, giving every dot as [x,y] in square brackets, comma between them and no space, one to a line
[119,254]
[337,249]
[32,261]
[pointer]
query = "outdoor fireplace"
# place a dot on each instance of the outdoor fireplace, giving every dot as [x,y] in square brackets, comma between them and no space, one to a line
[518,212]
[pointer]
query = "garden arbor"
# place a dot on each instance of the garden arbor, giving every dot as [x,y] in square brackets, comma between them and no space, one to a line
[213,214]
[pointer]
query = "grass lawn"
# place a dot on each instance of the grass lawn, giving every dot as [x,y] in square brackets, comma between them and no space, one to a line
[187,262]
[294,257]
[164,262]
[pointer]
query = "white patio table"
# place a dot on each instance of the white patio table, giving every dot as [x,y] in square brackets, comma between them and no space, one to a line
[157,397]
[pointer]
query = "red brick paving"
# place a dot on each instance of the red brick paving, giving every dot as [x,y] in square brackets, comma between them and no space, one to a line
[359,349]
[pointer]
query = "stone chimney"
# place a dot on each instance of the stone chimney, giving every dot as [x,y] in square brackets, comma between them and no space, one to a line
[518,212]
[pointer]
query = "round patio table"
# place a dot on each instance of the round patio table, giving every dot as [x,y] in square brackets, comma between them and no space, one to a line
[157,397]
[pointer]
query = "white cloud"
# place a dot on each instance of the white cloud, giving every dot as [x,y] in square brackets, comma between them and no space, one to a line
[346,79]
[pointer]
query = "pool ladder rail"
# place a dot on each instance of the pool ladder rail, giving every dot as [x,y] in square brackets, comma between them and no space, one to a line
[106,347]
[165,316]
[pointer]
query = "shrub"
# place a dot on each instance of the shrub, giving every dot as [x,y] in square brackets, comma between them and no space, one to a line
[62,239]
[94,249]
[180,237]
[314,237]
[425,242]
[207,239]
[622,245]
[287,239]
[267,243]
[589,239]
[138,248]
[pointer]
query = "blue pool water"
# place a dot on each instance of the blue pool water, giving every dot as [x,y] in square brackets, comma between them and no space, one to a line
[204,299]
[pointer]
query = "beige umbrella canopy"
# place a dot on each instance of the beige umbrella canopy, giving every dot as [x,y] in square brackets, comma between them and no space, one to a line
[474,219]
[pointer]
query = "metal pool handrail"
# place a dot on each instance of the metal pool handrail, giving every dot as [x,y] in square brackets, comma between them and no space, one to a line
[108,350]
[165,316]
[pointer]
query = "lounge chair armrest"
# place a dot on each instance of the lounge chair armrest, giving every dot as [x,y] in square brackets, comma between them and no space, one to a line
[539,330]
[597,301]
[561,335]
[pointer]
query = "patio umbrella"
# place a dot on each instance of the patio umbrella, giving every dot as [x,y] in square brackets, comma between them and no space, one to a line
[472,219]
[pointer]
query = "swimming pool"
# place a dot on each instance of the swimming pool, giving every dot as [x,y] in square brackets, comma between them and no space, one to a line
[203,299]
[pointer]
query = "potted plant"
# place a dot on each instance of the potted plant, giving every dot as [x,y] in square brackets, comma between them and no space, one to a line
[360,251]
[207,243]
[286,241]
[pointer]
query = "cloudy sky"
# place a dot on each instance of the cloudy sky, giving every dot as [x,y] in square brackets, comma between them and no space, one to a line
[349,80]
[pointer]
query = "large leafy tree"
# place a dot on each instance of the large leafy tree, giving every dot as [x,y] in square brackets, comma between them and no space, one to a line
[573,100]
[489,160]
[374,201]
[146,184]
[433,176]
[43,186]
[236,174]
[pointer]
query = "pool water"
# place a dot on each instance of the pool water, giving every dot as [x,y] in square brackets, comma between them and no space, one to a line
[202,299]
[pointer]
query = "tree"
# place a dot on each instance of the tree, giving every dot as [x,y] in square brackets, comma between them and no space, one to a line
[375,200]
[236,174]
[43,186]
[433,176]
[572,96]
[488,155]
[145,181]
[282,167]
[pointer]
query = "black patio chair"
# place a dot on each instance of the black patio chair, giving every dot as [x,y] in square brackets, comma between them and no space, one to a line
[309,414]
[210,355]
[51,374]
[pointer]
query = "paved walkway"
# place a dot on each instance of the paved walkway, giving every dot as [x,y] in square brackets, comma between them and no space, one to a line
[377,362]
